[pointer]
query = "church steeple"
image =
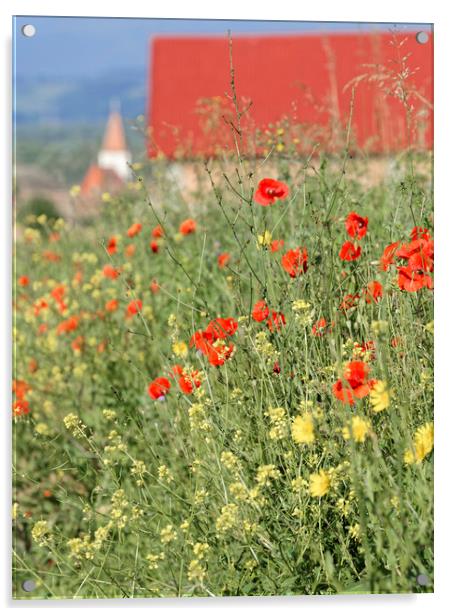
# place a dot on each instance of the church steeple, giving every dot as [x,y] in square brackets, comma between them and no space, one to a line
[114,153]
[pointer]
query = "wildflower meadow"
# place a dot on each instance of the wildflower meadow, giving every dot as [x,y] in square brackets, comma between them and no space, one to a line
[230,394]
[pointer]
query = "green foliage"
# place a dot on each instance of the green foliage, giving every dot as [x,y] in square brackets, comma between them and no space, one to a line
[38,206]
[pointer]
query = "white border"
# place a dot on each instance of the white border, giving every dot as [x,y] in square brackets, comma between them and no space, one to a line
[435,11]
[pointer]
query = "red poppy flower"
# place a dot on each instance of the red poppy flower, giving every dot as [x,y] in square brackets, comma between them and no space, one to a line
[276,245]
[295,261]
[110,272]
[102,346]
[260,311]
[356,384]
[154,247]
[32,365]
[268,190]
[187,226]
[58,292]
[276,321]
[154,286]
[420,233]
[112,245]
[21,407]
[177,369]
[159,388]
[48,255]
[223,259]
[202,340]
[388,256]
[356,372]
[356,225]
[134,307]
[111,305]
[418,253]
[373,292]
[39,305]
[54,237]
[413,280]
[20,388]
[350,251]
[342,392]
[134,229]
[222,328]
[219,352]
[67,326]
[78,277]
[157,232]
[276,368]
[320,327]
[23,281]
[367,347]
[78,343]
[130,250]
[187,383]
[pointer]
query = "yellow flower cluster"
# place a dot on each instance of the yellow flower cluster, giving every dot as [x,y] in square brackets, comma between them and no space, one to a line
[265,348]
[74,424]
[116,445]
[238,491]
[303,312]
[278,423]
[198,419]
[168,534]
[40,532]
[165,474]
[228,518]
[265,474]
[231,462]
[153,560]
[83,548]
[109,415]
[138,470]
[119,508]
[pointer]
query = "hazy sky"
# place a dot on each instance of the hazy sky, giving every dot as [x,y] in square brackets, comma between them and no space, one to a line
[86,47]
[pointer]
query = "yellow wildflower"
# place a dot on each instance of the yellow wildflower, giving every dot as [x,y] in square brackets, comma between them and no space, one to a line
[180,349]
[303,429]
[265,239]
[380,396]
[360,429]
[423,444]
[319,483]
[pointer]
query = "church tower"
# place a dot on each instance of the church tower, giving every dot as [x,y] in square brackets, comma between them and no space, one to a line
[114,154]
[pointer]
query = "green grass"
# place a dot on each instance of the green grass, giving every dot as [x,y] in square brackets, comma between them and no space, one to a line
[371,532]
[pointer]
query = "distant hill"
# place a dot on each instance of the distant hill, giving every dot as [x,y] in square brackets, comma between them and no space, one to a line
[53,100]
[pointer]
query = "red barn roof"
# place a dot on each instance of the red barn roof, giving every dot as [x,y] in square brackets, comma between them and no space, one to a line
[301,77]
